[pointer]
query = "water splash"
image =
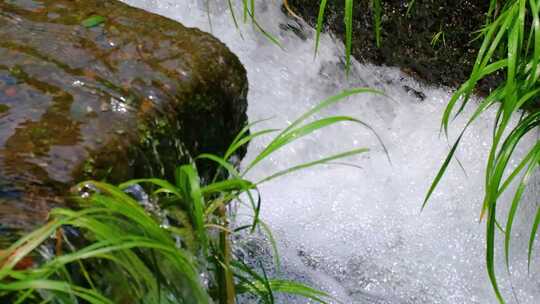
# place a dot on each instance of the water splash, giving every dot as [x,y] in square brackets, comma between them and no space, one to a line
[357,232]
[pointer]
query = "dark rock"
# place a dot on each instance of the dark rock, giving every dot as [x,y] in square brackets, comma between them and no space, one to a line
[408,36]
[294,27]
[95,89]
[418,94]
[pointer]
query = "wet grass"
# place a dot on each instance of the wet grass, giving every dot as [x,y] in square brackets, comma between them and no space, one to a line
[348,20]
[511,45]
[248,15]
[248,11]
[167,244]
[151,255]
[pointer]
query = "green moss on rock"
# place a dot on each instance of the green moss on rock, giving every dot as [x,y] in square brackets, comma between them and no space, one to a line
[130,96]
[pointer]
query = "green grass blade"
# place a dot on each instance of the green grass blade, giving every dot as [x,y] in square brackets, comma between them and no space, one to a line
[287,132]
[245,140]
[85,294]
[348,33]
[155,181]
[233,16]
[222,162]
[294,134]
[490,251]
[410,6]
[24,246]
[269,36]
[532,238]
[207,3]
[329,102]
[535,28]
[313,163]
[514,206]
[442,170]
[320,20]
[289,287]
[235,184]
[192,184]
[377,13]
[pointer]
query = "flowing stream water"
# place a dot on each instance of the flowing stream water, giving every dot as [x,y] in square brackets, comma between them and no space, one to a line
[357,232]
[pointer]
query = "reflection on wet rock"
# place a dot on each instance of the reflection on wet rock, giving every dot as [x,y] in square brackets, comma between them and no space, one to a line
[96,89]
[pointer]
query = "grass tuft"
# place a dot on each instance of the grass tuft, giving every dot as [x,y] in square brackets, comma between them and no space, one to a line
[173,247]
[512,30]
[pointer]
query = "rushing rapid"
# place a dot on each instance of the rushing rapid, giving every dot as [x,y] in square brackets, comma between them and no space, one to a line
[357,231]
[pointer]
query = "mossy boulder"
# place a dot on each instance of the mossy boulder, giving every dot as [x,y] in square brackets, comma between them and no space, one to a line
[432,40]
[95,89]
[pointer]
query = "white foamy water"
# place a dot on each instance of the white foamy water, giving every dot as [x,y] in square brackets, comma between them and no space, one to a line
[357,232]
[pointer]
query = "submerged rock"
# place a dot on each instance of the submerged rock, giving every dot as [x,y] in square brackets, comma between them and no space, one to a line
[95,89]
[431,40]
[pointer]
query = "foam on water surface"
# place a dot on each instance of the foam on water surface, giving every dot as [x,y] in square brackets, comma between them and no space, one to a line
[357,232]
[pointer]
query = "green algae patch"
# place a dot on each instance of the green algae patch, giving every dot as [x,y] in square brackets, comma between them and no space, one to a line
[93,21]
[3,108]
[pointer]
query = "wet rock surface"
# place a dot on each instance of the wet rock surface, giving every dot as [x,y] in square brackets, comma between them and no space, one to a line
[95,89]
[431,40]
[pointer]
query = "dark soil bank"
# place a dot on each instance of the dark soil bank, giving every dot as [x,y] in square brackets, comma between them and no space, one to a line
[95,89]
[434,41]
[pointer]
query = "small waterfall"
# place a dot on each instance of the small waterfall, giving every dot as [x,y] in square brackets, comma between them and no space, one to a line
[357,232]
